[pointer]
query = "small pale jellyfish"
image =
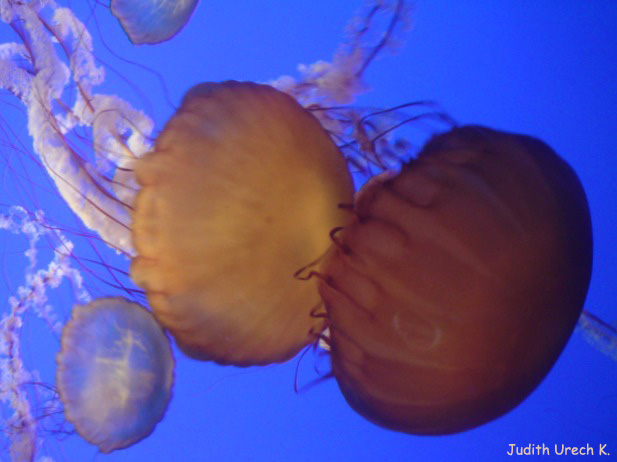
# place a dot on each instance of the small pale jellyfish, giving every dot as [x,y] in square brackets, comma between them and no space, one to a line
[453,292]
[239,194]
[152,21]
[115,372]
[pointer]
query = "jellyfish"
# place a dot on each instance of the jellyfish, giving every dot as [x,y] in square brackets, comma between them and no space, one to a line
[152,21]
[459,282]
[115,372]
[239,194]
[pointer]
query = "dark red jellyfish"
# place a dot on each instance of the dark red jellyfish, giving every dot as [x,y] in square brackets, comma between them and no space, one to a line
[459,282]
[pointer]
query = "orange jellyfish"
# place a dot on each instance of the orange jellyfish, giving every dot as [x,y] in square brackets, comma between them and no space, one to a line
[239,194]
[459,282]
[115,372]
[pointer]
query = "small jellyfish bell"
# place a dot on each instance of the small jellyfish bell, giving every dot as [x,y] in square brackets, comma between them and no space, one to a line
[152,21]
[239,194]
[458,284]
[115,372]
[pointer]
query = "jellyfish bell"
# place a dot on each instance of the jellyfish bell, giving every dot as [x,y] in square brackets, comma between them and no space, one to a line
[115,372]
[453,292]
[152,21]
[239,194]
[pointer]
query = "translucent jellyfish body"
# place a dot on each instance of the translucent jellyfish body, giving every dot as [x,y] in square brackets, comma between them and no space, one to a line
[240,193]
[458,285]
[115,372]
[152,21]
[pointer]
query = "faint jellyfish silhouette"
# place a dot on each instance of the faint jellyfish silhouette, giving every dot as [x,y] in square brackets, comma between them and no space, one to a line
[115,372]
[600,334]
[152,21]
[239,193]
[453,292]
